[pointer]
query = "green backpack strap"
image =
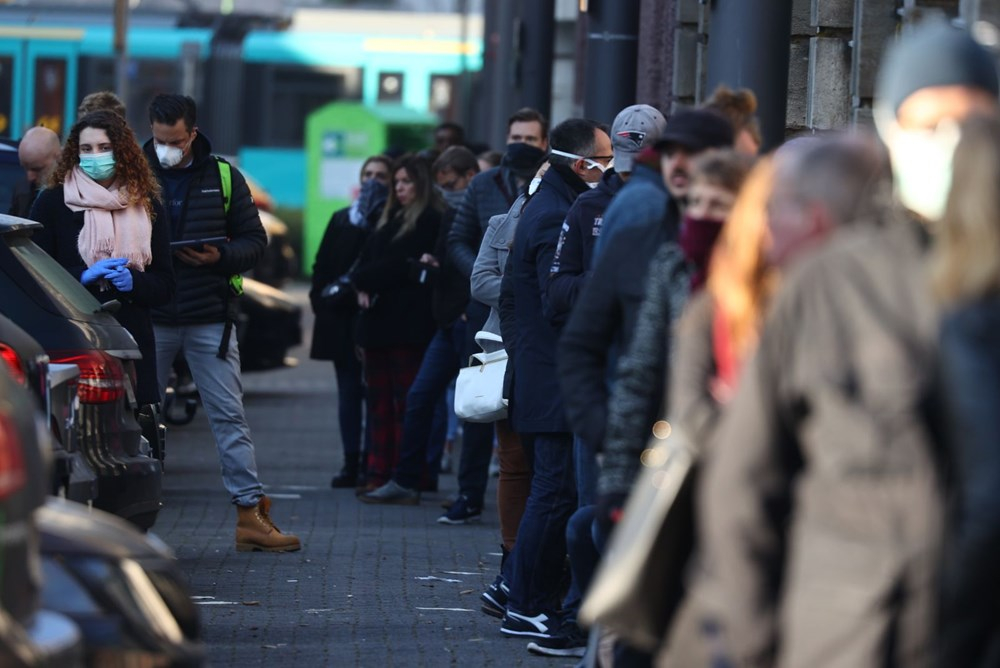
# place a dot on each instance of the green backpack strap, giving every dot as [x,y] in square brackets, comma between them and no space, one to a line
[236,280]
[226,176]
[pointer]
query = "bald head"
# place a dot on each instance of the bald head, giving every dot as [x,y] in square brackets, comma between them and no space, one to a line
[38,152]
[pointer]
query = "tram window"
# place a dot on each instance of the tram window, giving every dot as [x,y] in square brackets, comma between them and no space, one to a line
[285,96]
[390,87]
[50,93]
[443,95]
[6,93]
[147,78]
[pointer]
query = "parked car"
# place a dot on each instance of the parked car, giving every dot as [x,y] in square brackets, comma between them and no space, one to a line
[54,387]
[123,589]
[278,264]
[29,636]
[269,325]
[52,306]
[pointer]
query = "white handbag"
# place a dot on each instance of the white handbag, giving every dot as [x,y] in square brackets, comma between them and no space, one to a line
[479,388]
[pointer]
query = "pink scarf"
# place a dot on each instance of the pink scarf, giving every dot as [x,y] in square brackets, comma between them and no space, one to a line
[111,226]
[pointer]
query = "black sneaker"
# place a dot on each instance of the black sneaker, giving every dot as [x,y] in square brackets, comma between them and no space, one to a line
[516,625]
[570,640]
[495,598]
[461,512]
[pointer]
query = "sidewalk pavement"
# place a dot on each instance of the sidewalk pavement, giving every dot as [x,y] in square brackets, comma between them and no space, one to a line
[373,585]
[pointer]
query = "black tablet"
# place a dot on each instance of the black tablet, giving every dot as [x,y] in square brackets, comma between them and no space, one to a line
[197,243]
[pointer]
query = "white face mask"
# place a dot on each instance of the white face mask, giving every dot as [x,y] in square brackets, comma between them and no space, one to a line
[592,184]
[921,164]
[170,156]
[591,163]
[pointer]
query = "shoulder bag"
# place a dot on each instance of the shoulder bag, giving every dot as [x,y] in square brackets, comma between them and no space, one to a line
[479,388]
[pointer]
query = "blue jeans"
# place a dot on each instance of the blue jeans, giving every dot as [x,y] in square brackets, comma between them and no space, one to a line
[581,545]
[540,553]
[477,438]
[221,389]
[585,463]
[350,409]
[438,368]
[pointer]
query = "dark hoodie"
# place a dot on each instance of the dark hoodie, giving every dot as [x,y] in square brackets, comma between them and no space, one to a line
[194,199]
[575,252]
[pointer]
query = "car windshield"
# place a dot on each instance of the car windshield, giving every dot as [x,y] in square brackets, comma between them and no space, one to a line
[60,284]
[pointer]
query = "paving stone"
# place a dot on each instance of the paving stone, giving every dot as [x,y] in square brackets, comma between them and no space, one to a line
[357,594]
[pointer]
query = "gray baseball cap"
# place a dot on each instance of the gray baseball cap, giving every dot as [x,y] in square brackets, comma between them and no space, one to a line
[634,129]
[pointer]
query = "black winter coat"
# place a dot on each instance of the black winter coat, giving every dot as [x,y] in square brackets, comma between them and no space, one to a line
[150,288]
[334,326]
[536,404]
[489,193]
[400,312]
[604,319]
[22,198]
[970,360]
[451,289]
[203,293]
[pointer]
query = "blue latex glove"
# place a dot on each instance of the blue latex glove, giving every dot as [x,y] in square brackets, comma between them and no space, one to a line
[101,269]
[121,278]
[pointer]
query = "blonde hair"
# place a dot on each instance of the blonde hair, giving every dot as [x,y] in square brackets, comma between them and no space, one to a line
[740,279]
[965,265]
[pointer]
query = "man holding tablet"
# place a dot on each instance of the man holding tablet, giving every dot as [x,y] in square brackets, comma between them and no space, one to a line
[217,236]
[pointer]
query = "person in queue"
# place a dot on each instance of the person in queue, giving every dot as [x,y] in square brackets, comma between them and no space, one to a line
[38,152]
[396,321]
[443,356]
[825,475]
[104,221]
[198,321]
[336,308]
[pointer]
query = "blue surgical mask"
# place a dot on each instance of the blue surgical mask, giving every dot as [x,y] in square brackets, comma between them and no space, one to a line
[98,166]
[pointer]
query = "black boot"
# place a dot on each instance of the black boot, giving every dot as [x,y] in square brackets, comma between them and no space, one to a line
[348,477]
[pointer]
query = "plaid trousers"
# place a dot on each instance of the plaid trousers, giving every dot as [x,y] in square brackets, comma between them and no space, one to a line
[389,372]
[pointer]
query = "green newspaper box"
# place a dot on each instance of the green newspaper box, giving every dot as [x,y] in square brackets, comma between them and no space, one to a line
[339,136]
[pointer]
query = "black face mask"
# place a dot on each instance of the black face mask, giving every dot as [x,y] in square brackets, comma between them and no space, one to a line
[523,159]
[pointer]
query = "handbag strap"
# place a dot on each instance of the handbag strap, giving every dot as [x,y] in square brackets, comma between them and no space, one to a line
[483,335]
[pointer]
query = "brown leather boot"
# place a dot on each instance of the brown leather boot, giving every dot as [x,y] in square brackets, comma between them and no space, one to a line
[255,530]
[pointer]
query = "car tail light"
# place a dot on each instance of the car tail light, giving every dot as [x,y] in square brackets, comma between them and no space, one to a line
[12,472]
[102,377]
[14,364]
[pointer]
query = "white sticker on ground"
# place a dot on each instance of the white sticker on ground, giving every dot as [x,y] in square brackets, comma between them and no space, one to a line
[461,573]
[434,577]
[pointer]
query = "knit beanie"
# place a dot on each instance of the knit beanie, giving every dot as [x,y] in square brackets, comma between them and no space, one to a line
[934,54]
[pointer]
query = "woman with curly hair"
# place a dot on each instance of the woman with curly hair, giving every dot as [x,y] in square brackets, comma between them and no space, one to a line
[103,221]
